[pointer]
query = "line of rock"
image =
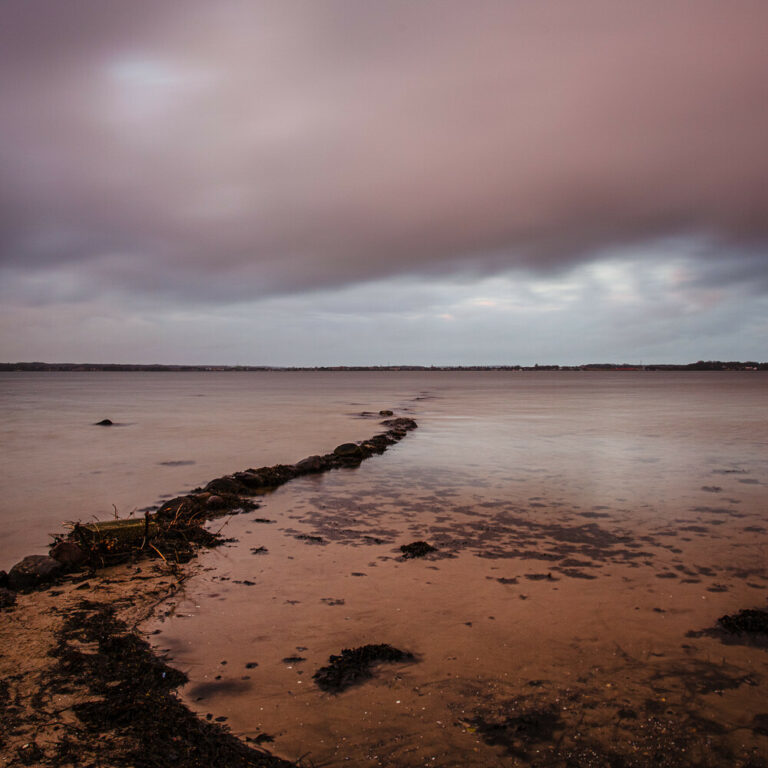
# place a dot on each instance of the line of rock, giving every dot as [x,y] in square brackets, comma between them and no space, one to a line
[175,530]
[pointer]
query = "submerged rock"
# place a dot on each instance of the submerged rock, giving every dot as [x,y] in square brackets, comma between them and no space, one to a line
[312,464]
[224,485]
[386,413]
[250,479]
[402,423]
[33,571]
[104,423]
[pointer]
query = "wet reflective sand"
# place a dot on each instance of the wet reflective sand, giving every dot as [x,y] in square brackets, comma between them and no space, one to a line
[588,532]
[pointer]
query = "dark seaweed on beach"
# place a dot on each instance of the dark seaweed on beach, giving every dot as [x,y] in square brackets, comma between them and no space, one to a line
[133,718]
[416,549]
[517,733]
[747,621]
[747,627]
[353,666]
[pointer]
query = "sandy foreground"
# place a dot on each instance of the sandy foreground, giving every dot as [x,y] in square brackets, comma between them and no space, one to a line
[81,687]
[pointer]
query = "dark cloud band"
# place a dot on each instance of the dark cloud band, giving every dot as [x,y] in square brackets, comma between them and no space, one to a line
[244,149]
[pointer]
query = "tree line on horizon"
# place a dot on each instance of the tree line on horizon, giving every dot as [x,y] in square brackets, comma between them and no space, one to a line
[701,365]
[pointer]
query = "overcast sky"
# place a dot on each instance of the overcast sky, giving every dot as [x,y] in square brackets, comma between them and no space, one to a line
[329,182]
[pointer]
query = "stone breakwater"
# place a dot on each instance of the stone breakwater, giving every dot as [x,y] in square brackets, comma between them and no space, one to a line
[176,529]
[78,684]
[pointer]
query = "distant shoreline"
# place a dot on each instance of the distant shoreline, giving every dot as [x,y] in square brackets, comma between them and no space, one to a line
[701,365]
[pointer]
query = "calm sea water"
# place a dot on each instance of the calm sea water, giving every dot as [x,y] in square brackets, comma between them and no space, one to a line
[640,431]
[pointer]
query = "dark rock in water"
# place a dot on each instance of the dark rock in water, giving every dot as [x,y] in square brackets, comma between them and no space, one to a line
[749,621]
[3,579]
[7,598]
[347,450]
[354,666]
[399,424]
[33,571]
[312,464]
[214,502]
[385,413]
[69,554]
[266,477]
[224,485]
[250,479]
[104,423]
[416,549]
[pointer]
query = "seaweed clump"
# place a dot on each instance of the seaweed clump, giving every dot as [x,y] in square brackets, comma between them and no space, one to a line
[745,622]
[132,717]
[416,549]
[353,666]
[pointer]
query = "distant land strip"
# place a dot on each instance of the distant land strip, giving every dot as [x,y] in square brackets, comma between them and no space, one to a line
[701,365]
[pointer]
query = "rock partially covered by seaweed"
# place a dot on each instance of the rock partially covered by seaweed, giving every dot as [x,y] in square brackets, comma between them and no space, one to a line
[400,425]
[33,571]
[347,449]
[312,464]
[353,666]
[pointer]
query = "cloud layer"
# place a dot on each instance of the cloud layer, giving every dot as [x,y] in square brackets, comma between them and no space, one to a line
[229,151]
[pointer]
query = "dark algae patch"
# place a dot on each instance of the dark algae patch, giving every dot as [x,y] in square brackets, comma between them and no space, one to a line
[747,627]
[571,728]
[750,622]
[354,665]
[416,549]
[520,732]
[131,717]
